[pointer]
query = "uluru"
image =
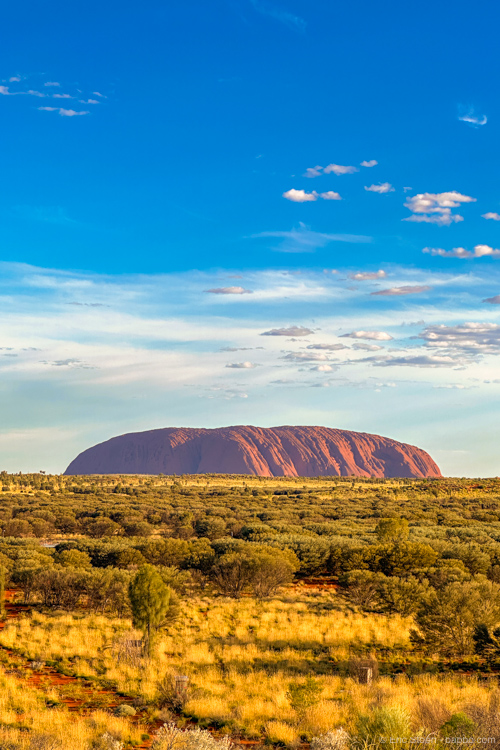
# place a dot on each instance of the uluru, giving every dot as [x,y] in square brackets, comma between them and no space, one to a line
[260,451]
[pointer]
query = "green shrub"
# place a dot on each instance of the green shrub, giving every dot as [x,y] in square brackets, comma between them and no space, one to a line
[304,695]
[459,725]
[382,725]
[125,710]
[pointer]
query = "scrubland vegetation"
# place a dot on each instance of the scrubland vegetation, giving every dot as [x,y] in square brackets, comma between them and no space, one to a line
[279,599]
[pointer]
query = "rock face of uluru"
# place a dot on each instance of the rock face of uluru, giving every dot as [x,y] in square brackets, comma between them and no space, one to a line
[266,452]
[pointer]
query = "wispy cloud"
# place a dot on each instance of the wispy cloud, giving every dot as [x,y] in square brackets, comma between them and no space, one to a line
[399,291]
[304,240]
[480,251]
[290,331]
[229,290]
[370,335]
[363,346]
[493,300]
[469,116]
[242,366]
[69,362]
[435,208]
[323,368]
[491,215]
[48,87]
[337,169]
[451,387]
[384,187]
[288,19]
[47,214]
[64,112]
[367,275]
[305,357]
[370,163]
[328,347]
[313,171]
[330,195]
[413,360]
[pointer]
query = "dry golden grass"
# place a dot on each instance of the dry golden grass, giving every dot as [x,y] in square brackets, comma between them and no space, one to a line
[241,657]
[24,713]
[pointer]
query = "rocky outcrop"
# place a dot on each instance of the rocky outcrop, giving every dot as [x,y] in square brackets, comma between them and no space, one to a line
[267,452]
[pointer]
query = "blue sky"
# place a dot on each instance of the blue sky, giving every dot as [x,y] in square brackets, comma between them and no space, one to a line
[179,180]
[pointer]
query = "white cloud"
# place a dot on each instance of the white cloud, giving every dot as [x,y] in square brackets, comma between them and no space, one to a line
[291,331]
[338,169]
[15,79]
[371,335]
[367,347]
[322,368]
[471,118]
[398,291]
[491,215]
[331,195]
[4,91]
[62,96]
[468,338]
[229,290]
[367,275]
[370,163]
[300,196]
[242,366]
[480,251]
[435,208]
[384,187]
[51,83]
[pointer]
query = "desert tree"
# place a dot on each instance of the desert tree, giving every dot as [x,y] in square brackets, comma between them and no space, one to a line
[150,599]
